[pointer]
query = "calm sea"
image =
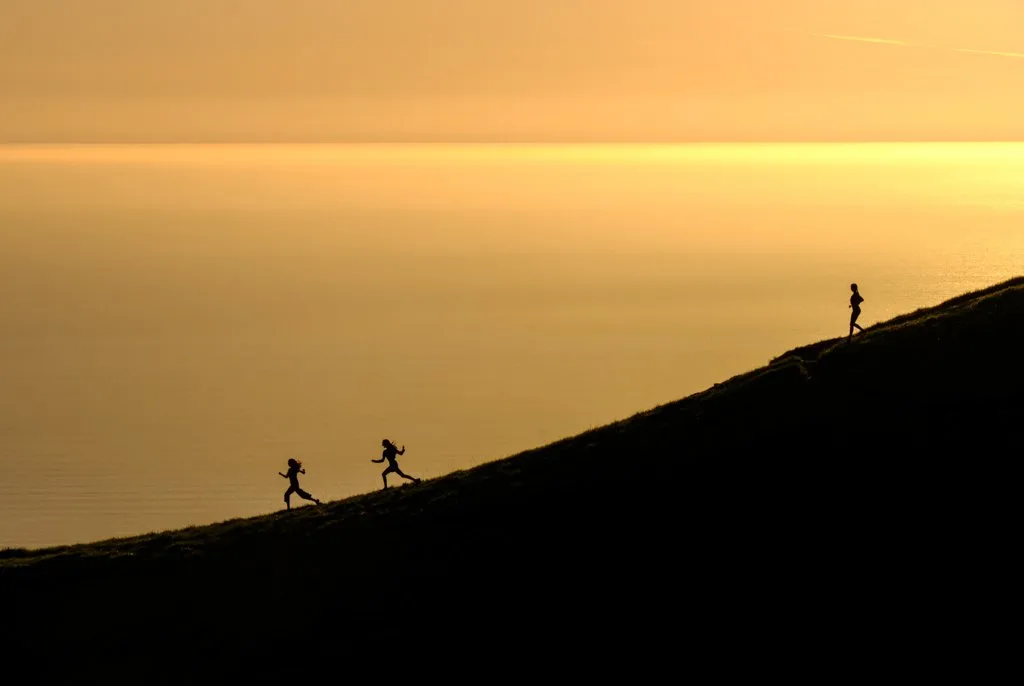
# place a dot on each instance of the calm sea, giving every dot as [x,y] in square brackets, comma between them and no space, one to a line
[177,321]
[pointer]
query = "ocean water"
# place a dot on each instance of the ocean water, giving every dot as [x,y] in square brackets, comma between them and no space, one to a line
[178,320]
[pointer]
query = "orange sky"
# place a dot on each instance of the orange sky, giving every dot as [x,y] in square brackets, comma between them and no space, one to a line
[497,70]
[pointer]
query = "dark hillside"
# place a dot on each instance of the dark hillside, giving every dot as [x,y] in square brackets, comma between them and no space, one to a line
[847,502]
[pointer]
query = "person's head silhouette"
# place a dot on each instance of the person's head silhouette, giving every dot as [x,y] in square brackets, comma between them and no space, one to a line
[292,462]
[853,287]
[385,443]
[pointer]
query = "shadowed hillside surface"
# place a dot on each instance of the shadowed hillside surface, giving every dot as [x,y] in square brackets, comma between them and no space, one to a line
[843,503]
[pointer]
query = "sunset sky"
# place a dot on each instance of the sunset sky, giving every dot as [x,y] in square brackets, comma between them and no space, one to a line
[511,70]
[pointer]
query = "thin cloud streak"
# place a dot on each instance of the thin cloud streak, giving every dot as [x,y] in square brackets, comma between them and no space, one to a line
[906,44]
[998,53]
[866,39]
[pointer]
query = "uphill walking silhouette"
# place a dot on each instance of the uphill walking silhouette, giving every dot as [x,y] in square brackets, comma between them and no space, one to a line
[849,488]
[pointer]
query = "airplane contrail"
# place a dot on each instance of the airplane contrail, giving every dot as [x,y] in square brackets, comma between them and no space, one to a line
[865,39]
[998,53]
[907,44]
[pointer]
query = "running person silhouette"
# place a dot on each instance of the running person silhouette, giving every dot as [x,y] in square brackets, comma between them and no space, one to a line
[390,454]
[855,301]
[294,469]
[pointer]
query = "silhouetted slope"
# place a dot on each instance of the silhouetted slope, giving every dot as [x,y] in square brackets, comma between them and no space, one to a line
[850,489]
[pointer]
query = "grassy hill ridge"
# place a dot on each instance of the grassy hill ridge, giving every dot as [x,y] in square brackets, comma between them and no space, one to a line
[830,484]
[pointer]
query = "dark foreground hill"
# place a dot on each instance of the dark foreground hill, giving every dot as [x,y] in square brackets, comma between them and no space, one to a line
[847,505]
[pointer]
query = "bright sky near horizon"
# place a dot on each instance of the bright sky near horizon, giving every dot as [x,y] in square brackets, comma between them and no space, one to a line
[497,70]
